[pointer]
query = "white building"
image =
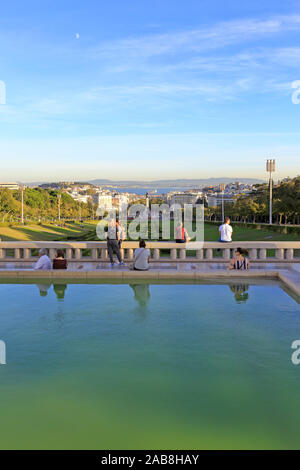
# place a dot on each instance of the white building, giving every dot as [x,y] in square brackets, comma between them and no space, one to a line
[79,197]
[183,198]
[82,198]
[12,186]
[103,201]
[216,200]
[123,203]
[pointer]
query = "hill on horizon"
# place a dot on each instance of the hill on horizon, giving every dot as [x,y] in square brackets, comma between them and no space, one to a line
[175,182]
[165,183]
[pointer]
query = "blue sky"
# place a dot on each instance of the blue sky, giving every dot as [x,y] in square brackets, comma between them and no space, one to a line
[148,89]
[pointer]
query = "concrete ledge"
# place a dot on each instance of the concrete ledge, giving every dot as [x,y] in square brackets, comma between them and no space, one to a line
[101,274]
[292,284]
[127,274]
[289,280]
[226,274]
[28,264]
[174,274]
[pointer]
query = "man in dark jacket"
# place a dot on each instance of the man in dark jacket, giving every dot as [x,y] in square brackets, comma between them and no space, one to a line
[113,237]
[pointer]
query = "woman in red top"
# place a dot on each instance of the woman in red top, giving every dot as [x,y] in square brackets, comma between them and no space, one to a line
[181,234]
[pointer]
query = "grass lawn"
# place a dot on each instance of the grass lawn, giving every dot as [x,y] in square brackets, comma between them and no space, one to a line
[241,233]
[86,231]
[46,232]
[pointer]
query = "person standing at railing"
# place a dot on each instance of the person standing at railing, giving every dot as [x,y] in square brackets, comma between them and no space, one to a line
[113,237]
[181,235]
[122,232]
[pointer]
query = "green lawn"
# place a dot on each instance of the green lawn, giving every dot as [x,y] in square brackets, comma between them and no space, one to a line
[46,232]
[241,233]
[86,231]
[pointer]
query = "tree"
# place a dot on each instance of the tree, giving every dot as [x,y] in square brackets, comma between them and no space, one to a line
[8,204]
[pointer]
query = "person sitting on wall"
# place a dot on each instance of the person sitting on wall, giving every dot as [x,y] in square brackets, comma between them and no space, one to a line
[59,261]
[44,262]
[141,257]
[181,235]
[240,260]
[225,231]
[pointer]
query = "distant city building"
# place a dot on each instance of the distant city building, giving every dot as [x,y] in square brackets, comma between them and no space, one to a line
[216,200]
[81,197]
[103,201]
[12,186]
[184,198]
[121,202]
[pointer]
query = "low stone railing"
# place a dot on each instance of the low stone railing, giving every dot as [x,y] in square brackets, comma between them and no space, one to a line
[23,251]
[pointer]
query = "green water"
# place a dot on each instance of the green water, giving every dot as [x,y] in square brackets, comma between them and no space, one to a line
[174,366]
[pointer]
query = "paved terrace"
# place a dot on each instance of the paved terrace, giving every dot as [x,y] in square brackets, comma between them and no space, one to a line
[169,260]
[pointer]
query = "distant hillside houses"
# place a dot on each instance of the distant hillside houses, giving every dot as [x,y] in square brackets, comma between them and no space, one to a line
[182,198]
[108,198]
[103,201]
[89,193]
[211,195]
[12,186]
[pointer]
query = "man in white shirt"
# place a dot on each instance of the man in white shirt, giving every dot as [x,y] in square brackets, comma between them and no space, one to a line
[225,231]
[44,262]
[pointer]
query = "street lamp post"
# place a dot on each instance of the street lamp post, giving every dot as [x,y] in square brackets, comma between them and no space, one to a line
[59,202]
[22,204]
[271,167]
[222,188]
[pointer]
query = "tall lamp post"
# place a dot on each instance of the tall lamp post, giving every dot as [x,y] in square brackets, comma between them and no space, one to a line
[59,203]
[22,187]
[222,188]
[271,168]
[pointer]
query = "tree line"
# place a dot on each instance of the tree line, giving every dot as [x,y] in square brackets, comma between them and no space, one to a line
[41,204]
[254,207]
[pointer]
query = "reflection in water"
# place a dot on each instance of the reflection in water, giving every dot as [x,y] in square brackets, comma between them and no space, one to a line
[141,294]
[240,292]
[43,288]
[60,290]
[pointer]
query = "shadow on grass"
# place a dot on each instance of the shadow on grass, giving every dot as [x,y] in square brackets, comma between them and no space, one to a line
[7,238]
[40,235]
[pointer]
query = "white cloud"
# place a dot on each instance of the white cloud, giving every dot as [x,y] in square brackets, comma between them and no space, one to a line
[210,37]
[195,67]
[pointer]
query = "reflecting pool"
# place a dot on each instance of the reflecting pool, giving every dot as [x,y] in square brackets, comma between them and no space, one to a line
[139,365]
